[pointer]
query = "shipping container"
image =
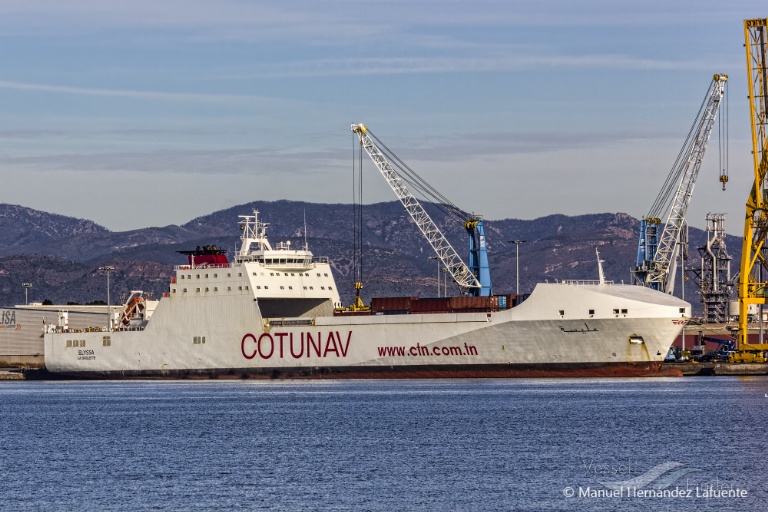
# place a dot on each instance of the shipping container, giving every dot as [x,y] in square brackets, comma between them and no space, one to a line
[383,304]
[466,302]
[432,305]
[520,298]
[474,304]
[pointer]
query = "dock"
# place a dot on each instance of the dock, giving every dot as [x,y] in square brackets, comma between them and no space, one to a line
[11,375]
[689,368]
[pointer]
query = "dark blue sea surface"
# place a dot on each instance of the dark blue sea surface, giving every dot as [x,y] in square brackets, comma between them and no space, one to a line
[607,444]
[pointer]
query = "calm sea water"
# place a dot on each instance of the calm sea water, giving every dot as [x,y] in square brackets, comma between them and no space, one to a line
[385,445]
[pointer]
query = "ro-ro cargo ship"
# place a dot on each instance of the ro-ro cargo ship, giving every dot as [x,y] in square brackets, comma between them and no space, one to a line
[273,312]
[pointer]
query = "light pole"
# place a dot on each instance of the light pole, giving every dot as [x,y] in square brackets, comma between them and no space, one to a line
[108,269]
[517,263]
[438,273]
[445,281]
[26,286]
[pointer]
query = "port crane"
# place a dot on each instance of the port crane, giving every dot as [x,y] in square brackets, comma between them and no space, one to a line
[472,279]
[657,257]
[753,287]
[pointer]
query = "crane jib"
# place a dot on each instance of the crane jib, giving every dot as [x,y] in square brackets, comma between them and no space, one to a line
[461,273]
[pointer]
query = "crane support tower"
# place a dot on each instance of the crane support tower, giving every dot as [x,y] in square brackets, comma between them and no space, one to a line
[714,275]
[657,257]
[753,288]
[469,282]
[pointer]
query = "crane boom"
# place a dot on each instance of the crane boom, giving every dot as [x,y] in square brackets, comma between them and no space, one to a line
[752,278]
[450,259]
[657,262]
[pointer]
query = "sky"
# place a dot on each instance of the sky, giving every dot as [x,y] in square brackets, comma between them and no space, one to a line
[150,113]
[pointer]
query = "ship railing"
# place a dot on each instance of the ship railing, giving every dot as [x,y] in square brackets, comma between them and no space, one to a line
[289,263]
[203,265]
[287,322]
[286,264]
[585,282]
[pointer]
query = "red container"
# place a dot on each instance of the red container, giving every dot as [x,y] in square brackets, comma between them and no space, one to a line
[384,304]
[459,304]
[430,306]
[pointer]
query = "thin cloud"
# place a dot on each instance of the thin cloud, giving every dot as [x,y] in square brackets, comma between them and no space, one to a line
[281,160]
[431,65]
[125,93]
[312,18]
[240,161]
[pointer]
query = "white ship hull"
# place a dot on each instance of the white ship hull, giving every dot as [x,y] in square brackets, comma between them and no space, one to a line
[275,312]
[560,330]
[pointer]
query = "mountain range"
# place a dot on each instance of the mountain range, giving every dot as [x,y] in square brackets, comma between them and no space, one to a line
[60,256]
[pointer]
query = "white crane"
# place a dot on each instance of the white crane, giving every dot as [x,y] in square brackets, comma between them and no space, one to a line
[657,263]
[460,272]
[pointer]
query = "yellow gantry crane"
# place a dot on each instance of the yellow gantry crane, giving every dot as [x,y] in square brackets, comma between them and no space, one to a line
[753,276]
